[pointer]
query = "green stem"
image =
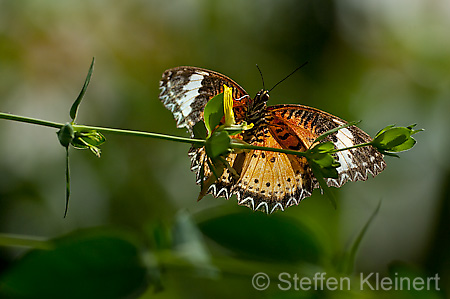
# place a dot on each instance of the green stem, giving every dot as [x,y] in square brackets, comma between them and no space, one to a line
[24,241]
[156,135]
[67,182]
[140,134]
[30,120]
[100,129]
[291,152]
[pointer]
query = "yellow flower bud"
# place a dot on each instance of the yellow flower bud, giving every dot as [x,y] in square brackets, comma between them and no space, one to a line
[228,106]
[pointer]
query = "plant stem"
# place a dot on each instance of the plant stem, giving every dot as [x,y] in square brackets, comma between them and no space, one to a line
[30,120]
[140,134]
[156,135]
[100,129]
[11,240]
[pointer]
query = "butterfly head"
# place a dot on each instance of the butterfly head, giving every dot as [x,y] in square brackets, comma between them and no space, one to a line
[259,102]
[262,96]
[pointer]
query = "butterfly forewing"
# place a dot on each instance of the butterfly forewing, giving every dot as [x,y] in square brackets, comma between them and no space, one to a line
[186,90]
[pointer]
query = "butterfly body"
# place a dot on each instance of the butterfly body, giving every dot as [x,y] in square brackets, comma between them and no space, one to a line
[265,180]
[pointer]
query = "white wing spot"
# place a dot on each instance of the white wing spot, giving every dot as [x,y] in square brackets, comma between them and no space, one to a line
[344,139]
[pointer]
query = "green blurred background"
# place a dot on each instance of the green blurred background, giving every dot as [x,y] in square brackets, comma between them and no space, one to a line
[383,62]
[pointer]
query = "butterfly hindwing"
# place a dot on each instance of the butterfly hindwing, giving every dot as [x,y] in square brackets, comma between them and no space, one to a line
[186,90]
[267,181]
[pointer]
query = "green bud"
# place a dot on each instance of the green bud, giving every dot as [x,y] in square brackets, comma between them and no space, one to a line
[66,134]
[395,139]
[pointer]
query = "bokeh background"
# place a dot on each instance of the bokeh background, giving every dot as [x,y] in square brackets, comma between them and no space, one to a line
[382,62]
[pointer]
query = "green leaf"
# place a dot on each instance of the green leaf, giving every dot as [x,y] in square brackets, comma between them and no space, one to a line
[408,144]
[325,147]
[76,104]
[329,172]
[392,137]
[414,131]
[321,159]
[350,256]
[383,130]
[66,135]
[218,144]
[199,130]
[84,264]
[255,236]
[213,113]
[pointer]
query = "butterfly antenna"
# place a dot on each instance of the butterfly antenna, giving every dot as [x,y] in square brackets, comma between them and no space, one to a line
[262,78]
[288,76]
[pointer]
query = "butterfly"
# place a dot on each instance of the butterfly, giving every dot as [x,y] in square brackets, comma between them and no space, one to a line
[264,180]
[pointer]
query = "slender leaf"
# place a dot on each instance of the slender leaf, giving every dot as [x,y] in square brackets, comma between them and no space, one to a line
[76,104]
[349,259]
